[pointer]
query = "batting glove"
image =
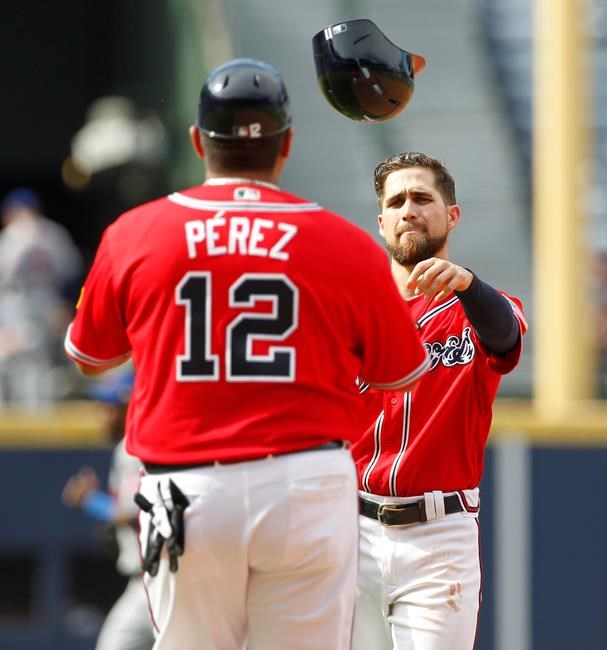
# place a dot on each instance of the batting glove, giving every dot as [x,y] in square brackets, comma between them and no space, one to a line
[166,526]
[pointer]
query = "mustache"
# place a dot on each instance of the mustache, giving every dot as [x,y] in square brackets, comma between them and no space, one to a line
[399,231]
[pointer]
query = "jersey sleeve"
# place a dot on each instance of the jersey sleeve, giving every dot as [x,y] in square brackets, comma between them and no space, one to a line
[97,335]
[503,364]
[393,354]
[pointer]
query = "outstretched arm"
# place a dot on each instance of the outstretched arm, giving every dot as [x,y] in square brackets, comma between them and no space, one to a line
[491,316]
[487,310]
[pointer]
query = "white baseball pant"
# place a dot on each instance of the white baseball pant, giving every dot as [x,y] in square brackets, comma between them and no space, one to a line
[418,585]
[270,556]
[128,625]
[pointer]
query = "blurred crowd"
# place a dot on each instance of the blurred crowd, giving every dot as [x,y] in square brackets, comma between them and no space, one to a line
[41,270]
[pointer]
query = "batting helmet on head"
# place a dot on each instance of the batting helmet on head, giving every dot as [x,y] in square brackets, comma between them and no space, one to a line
[361,73]
[244,98]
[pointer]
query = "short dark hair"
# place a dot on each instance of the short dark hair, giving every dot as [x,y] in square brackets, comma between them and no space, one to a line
[444,181]
[241,155]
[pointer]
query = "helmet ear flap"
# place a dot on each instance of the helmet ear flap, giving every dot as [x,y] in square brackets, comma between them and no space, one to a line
[243,99]
[361,73]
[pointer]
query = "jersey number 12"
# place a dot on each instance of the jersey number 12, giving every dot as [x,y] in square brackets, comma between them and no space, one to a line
[194,292]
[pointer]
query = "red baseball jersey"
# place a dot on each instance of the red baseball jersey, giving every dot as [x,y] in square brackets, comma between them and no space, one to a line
[249,312]
[433,438]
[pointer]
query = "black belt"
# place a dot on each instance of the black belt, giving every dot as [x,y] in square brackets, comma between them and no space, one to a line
[154,468]
[400,514]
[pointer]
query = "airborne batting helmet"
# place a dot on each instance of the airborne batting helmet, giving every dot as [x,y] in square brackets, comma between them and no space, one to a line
[361,73]
[244,98]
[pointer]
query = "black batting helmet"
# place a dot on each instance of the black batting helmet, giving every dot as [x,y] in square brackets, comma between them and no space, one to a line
[243,98]
[361,73]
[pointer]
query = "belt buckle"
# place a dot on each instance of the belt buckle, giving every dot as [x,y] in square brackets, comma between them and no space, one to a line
[400,507]
[390,507]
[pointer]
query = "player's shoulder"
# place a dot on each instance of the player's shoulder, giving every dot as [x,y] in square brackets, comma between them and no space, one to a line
[142,211]
[509,296]
[133,221]
[515,302]
[352,233]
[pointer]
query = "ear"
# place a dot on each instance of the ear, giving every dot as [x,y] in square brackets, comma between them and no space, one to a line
[380,224]
[196,141]
[454,215]
[285,147]
[283,153]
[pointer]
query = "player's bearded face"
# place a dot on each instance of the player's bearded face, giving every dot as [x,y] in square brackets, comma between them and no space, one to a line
[418,245]
[415,218]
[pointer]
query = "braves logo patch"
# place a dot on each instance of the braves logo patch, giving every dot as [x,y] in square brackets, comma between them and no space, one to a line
[456,351]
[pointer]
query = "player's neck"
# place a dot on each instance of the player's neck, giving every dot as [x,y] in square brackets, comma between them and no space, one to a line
[401,274]
[233,180]
[262,176]
[253,176]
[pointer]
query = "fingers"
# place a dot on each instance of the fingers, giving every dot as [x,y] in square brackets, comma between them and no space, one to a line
[418,271]
[89,478]
[142,502]
[79,486]
[435,279]
[71,493]
[173,562]
[151,560]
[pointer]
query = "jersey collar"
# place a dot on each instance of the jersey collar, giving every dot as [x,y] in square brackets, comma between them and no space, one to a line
[232,180]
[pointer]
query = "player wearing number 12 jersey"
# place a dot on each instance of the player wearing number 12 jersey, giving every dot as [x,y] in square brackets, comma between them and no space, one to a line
[249,313]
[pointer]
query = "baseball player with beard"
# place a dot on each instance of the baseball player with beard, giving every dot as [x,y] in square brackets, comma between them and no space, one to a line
[248,315]
[421,459]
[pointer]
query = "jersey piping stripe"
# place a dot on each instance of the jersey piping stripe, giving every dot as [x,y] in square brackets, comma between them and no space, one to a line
[481,586]
[86,359]
[437,310]
[376,452]
[214,206]
[409,379]
[403,446]
[517,312]
[465,505]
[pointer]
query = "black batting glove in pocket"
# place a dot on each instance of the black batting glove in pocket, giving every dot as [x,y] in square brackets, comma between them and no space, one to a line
[166,527]
[176,542]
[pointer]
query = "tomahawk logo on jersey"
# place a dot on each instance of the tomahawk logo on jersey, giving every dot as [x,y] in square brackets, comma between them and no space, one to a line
[235,285]
[433,437]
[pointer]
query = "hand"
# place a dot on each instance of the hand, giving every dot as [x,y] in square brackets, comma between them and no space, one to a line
[79,487]
[435,279]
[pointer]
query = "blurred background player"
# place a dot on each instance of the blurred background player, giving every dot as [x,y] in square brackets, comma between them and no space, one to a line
[40,267]
[128,625]
[421,460]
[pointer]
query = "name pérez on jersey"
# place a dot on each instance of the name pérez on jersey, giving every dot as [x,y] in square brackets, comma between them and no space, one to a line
[239,236]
